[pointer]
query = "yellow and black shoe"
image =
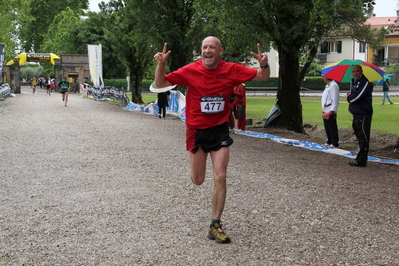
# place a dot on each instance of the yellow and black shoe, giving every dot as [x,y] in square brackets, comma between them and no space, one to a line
[216,233]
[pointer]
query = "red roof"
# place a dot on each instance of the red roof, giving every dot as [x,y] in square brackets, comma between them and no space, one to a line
[381,21]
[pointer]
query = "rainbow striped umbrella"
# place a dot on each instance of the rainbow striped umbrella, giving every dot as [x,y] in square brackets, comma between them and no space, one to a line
[342,71]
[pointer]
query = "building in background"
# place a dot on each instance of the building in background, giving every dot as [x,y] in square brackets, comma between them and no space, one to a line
[389,54]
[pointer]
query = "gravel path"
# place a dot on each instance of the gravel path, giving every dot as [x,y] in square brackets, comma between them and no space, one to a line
[92,184]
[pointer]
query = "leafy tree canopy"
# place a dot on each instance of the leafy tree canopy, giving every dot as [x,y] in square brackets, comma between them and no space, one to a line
[36,17]
[8,24]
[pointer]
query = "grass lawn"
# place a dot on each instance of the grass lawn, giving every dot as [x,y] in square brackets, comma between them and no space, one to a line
[385,117]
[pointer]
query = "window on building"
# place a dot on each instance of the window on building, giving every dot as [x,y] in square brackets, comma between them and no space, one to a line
[331,47]
[335,47]
[324,48]
[362,47]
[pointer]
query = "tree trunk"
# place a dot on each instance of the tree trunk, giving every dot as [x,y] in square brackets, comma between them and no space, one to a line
[288,93]
[136,86]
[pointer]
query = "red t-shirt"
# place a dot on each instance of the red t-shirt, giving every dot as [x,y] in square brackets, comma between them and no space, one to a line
[209,91]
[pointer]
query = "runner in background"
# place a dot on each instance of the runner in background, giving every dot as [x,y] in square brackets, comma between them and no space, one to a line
[33,84]
[64,85]
[48,85]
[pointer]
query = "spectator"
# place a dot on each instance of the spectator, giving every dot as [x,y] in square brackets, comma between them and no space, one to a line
[360,106]
[329,105]
[163,99]
[385,89]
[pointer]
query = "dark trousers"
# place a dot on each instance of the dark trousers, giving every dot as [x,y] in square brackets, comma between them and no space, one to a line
[331,128]
[362,127]
[162,111]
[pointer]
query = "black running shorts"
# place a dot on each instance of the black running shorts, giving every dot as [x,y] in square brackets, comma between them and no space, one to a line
[209,139]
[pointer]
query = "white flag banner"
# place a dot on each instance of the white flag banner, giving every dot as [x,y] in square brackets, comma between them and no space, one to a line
[95,64]
[2,56]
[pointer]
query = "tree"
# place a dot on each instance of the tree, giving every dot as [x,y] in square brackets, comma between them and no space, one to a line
[35,18]
[8,22]
[60,35]
[70,33]
[91,31]
[130,45]
[238,38]
[296,28]
[136,36]
[314,69]
[28,71]
[170,21]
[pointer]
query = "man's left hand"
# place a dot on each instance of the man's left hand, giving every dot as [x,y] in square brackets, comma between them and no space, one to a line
[261,57]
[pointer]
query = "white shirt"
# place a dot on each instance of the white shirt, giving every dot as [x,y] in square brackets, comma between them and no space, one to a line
[330,98]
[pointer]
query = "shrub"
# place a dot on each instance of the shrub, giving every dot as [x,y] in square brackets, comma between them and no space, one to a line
[122,83]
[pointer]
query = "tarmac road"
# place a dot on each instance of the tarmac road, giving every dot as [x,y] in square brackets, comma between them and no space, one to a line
[92,184]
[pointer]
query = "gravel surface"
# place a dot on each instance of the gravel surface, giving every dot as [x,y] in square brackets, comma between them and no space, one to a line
[92,184]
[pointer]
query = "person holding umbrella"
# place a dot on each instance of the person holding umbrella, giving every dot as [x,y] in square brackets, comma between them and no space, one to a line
[385,90]
[360,106]
[359,74]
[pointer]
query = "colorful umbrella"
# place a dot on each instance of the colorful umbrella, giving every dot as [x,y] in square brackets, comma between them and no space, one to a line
[342,71]
[386,76]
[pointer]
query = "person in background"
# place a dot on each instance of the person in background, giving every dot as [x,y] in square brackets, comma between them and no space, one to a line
[239,107]
[163,99]
[33,83]
[48,85]
[329,105]
[64,85]
[52,84]
[210,83]
[385,89]
[360,106]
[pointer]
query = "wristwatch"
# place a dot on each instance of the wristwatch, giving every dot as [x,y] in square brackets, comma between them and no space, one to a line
[265,66]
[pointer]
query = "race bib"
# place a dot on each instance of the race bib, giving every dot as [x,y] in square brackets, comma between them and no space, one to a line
[212,104]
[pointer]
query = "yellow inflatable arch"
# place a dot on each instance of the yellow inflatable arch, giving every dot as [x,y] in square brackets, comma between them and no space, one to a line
[42,57]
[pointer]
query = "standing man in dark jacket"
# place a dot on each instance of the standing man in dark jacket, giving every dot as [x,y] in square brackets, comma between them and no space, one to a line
[360,106]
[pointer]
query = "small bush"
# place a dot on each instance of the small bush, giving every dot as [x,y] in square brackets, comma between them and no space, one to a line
[122,83]
[117,83]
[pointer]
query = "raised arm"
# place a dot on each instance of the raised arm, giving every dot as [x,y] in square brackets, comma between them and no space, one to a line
[161,57]
[264,70]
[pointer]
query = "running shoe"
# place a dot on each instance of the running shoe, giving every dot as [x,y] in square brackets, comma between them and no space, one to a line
[216,233]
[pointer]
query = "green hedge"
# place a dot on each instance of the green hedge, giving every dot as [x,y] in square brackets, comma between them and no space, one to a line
[314,83]
[117,83]
[122,83]
[271,82]
[311,83]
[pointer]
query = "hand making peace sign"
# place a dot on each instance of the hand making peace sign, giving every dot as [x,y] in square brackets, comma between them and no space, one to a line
[161,57]
[261,57]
